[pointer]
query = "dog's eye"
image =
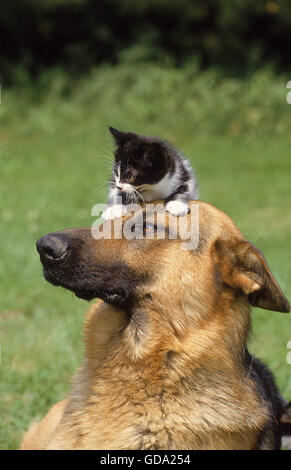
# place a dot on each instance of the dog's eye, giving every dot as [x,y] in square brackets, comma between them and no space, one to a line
[130,177]
[149,227]
[146,227]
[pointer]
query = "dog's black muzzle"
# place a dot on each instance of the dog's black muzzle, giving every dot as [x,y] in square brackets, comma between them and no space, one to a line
[55,254]
[53,248]
[66,264]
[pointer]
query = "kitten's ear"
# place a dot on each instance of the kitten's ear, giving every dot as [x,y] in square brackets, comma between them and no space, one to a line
[147,156]
[243,267]
[119,136]
[151,154]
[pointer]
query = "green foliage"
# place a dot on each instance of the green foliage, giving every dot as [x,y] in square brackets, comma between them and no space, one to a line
[78,34]
[55,160]
[184,99]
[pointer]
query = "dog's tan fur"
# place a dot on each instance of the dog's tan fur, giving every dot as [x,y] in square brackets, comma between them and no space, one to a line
[170,375]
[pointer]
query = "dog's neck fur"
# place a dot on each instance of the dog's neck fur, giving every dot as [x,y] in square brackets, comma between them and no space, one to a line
[150,330]
[170,363]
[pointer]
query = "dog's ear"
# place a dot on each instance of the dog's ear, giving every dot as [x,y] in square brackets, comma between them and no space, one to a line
[243,267]
[285,420]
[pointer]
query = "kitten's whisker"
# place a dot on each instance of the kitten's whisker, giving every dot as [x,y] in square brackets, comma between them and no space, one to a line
[102,187]
[139,196]
[104,159]
[135,199]
[109,158]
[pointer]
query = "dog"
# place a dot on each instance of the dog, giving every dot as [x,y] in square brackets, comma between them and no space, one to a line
[166,363]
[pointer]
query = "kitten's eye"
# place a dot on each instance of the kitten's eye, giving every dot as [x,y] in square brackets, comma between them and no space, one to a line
[130,178]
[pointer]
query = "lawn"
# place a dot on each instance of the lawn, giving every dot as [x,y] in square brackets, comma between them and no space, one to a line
[55,153]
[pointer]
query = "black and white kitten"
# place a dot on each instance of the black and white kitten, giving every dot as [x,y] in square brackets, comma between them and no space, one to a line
[149,169]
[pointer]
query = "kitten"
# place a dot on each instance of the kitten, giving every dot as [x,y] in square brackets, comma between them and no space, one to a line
[148,169]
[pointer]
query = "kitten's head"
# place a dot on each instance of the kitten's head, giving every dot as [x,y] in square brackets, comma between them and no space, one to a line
[140,160]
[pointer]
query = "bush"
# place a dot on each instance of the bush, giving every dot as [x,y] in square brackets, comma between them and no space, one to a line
[184,101]
[78,34]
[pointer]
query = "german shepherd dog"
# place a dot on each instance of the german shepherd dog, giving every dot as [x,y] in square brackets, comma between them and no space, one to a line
[166,363]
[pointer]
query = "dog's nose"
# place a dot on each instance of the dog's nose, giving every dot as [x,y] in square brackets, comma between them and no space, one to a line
[52,247]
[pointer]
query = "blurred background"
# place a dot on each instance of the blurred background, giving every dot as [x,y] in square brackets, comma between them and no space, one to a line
[211,77]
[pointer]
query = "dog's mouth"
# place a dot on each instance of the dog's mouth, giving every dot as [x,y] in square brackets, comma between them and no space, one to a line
[114,296]
[65,265]
[80,292]
[85,294]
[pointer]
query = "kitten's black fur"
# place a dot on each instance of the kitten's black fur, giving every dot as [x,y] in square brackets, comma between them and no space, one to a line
[148,168]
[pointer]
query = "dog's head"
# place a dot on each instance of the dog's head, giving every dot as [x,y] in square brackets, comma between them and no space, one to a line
[161,273]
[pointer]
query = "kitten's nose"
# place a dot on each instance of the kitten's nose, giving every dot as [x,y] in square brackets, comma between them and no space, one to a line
[118,186]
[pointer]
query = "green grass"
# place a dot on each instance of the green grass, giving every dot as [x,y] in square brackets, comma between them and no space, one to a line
[54,146]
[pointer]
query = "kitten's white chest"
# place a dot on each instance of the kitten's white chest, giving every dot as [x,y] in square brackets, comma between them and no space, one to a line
[160,190]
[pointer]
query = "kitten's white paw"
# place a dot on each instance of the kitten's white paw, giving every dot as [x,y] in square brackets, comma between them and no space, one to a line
[177,208]
[114,212]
